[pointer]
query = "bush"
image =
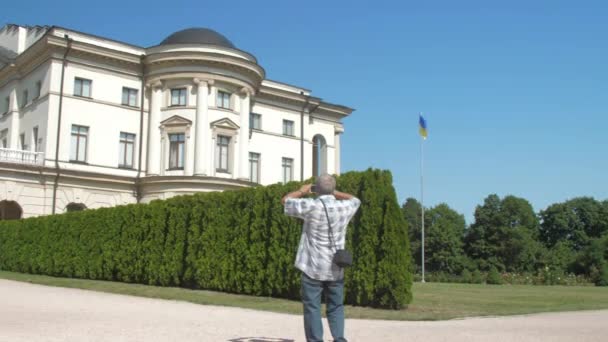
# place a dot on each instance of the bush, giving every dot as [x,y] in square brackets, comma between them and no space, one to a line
[234,241]
[494,277]
[602,279]
[466,276]
[550,276]
[477,277]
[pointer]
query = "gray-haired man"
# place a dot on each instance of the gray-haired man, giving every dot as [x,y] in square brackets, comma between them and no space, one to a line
[315,253]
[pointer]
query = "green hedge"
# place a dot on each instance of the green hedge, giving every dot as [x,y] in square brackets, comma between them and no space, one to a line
[233,241]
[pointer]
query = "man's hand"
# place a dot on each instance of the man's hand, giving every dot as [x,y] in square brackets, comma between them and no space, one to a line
[304,190]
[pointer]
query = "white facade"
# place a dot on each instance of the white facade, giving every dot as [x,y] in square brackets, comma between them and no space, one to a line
[193,132]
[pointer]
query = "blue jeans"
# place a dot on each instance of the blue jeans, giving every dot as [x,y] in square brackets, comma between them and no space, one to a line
[311,298]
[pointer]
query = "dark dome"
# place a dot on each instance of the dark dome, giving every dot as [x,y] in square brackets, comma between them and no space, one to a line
[198,36]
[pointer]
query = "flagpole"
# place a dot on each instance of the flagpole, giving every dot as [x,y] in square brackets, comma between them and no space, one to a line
[422,197]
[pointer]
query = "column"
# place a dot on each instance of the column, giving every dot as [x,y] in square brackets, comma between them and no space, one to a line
[201,127]
[154,150]
[338,131]
[244,135]
[13,142]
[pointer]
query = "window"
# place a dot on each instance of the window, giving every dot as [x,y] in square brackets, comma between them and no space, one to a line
[24,98]
[22,144]
[75,207]
[35,142]
[176,151]
[178,97]
[78,148]
[255,121]
[254,167]
[288,127]
[38,89]
[7,104]
[222,153]
[223,99]
[129,97]
[82,87]
[319,155]
[10,210]
[287,170]
[125,153]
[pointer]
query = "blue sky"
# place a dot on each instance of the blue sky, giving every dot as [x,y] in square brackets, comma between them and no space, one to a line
[515,94]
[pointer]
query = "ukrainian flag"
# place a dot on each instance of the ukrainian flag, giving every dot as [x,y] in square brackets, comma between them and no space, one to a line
[422,127]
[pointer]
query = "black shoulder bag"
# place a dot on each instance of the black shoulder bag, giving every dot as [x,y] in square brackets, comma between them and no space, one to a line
[342,257]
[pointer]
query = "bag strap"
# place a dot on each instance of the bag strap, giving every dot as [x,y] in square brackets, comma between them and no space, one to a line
[330,234]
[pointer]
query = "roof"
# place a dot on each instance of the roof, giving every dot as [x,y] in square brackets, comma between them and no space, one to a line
[198,35]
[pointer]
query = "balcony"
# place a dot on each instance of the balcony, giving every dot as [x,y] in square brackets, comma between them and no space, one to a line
[21,157]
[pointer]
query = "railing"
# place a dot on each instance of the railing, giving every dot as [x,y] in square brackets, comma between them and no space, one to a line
[21,157]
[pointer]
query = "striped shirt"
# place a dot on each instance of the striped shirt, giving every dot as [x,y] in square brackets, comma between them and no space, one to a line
[315,253]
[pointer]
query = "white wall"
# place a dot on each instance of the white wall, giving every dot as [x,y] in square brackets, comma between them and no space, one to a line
[106,118]
[30,114]
[102,113]
[36,110]
[36,196]
[273,146]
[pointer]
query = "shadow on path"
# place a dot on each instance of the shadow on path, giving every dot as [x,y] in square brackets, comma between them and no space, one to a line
[260,339]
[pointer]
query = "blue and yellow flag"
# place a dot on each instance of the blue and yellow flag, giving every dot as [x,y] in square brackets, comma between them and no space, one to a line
[422,127]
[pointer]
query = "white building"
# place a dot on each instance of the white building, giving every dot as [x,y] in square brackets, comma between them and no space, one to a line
[88,122]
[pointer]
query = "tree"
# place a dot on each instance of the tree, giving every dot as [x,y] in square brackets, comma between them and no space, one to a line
[593,259]
[504,234]
[521,251]
[444,239]
[412,213]
[576,222]
[560,256]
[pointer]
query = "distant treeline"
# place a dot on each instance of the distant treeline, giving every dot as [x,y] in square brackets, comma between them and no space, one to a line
[565,242]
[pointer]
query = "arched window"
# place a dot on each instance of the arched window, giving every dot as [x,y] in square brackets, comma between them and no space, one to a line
[10,210]
[319,155]
[75,207]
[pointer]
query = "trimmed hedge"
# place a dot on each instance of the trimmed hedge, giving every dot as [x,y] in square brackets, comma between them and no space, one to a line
[232,241]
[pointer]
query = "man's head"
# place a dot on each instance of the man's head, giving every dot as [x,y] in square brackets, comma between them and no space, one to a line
[325,185]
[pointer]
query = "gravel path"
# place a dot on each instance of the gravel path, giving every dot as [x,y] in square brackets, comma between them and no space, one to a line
[34,313]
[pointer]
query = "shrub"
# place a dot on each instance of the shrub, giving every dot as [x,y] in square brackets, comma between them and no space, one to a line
[466,276]
[602,279]
[477,277]
[494,277]
[234,241]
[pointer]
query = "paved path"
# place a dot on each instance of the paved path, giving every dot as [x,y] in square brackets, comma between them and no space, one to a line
[41,313]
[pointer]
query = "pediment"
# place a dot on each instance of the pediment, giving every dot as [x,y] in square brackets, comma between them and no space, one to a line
[176,120]
[224,123]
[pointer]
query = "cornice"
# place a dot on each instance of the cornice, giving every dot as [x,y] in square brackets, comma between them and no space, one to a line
[24,65]
[210,77]
[79,46]
[250,72]
[105,103]
[50,172]
[198,180]
[301,99]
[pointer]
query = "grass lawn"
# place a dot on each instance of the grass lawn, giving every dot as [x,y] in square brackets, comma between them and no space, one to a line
[432,301]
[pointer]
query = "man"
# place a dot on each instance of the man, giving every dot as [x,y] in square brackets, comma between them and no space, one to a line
[315,253]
